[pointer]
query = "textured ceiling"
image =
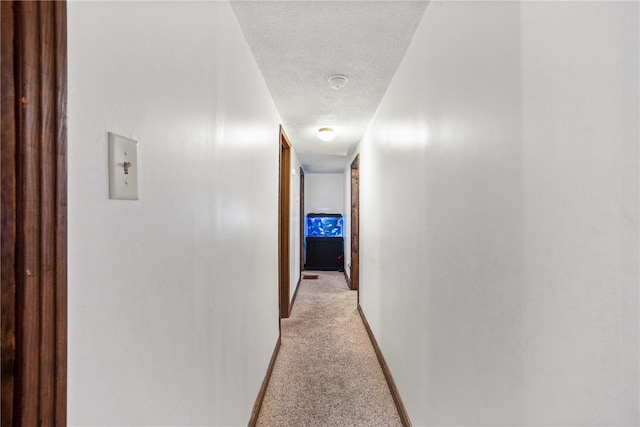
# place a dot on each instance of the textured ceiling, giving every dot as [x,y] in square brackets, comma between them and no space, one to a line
[298,45]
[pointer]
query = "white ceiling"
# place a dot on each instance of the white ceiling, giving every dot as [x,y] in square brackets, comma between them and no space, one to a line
[298,45]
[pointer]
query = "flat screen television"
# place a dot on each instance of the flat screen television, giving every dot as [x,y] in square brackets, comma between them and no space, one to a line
[324,225]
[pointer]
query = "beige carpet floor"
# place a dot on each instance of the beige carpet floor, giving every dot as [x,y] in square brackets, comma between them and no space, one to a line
[326,373]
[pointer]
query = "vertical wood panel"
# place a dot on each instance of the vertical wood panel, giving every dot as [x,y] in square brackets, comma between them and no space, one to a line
[28,207]
[60,161]
[34,185]
[8,176]
[48,146]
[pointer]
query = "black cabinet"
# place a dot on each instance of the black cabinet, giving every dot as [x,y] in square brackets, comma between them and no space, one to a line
[325,253]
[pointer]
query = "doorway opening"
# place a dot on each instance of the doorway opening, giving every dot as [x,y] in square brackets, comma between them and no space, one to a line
[354,273]
[284,225]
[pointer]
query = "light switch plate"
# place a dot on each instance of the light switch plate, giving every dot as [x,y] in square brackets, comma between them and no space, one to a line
[123,167]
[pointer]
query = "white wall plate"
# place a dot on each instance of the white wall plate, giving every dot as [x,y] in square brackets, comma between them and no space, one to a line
[123,167]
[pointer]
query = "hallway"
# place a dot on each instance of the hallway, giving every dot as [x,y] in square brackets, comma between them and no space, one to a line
[326,373]
[496,246]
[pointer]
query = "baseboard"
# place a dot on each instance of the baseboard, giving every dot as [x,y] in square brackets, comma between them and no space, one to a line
[404,417]
[263,389]
[347,278]
[295,294]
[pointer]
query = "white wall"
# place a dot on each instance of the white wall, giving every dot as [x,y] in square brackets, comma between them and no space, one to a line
[499,216]
[173,311]
[324,193]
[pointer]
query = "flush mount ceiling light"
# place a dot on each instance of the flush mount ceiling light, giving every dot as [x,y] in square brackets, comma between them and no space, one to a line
[326,134]
[337,81]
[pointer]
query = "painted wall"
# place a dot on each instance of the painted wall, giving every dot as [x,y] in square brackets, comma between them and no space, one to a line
[499,227]
[324,193]
[173,310]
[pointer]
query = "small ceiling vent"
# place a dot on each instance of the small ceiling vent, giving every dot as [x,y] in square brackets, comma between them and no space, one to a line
[337,81]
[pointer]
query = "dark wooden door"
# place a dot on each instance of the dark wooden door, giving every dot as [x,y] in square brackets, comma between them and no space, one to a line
[355,224]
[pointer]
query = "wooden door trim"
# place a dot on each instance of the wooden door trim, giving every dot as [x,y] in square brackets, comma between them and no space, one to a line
[34,212]
[302,222]
[284,224]
[355,226]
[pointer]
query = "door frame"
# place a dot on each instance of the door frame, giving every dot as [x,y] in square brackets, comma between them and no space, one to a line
[302,222]
[34,213]
[354,274]
[284,224]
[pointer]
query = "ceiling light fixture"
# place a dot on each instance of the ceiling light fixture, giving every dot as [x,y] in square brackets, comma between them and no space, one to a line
[337,81]
[326,134]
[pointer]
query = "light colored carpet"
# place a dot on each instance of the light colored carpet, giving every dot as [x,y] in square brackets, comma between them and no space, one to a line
[327,373]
